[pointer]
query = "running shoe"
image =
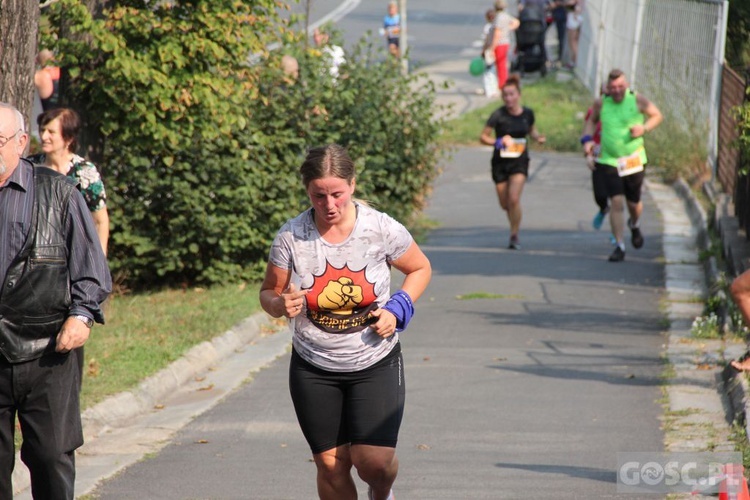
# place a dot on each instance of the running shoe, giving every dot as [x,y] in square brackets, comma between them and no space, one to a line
[599,219]
[514,244]
[618,255]
[636,238]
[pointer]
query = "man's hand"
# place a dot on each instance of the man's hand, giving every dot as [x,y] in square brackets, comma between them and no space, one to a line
[73,334]
[637,131]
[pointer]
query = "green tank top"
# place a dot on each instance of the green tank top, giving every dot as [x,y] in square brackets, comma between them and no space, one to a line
[616,120]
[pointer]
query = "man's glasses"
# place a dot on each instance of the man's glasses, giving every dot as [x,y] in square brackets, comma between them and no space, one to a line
[4,140]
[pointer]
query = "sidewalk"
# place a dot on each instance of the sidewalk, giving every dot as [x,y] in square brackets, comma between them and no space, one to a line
[128,426]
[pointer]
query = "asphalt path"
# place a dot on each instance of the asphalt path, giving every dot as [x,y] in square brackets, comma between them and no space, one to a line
[526,371]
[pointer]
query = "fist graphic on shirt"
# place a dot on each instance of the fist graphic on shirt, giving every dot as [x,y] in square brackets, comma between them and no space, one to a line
[341,296]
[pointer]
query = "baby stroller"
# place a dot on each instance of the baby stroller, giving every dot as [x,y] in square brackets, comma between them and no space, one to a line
[530,52]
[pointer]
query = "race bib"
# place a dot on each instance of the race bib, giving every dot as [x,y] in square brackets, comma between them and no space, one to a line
[515,150]
[629,165]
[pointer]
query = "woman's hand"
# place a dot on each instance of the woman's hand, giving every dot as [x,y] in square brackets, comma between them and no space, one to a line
[292,300]
[385,326]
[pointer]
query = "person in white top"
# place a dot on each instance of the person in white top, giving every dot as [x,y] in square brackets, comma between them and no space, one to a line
[573,25]
[504,24]
[329,272]
[489,77]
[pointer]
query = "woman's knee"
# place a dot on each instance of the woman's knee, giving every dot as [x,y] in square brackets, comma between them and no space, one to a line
[333,463]
[375,462]
[514,201]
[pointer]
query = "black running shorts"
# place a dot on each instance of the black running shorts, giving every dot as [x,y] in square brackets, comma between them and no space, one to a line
[502,170]
[362,407]
[608,183]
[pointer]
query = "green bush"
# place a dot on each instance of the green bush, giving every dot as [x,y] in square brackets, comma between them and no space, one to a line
[202,148]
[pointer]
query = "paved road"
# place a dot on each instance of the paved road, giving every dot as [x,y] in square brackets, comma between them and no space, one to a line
[529,394]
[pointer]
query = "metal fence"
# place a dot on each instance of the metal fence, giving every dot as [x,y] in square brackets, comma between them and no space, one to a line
[671,50]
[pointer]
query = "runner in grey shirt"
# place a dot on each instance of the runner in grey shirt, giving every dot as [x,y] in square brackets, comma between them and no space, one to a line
[345,281]
[329,272]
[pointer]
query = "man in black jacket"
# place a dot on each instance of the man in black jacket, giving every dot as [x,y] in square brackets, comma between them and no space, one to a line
[54,278]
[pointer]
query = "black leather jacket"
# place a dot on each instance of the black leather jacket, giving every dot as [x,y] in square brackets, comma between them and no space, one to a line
[35,297]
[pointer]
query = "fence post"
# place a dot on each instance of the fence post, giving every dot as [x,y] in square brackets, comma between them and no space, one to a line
[636,43]
[402,38]
[714,107]
[600,38]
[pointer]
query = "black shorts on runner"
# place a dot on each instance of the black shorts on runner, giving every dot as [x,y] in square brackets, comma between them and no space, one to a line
[608,183]
[362,407]
[501,171]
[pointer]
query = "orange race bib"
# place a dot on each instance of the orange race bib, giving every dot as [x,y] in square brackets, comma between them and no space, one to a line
[515,150]
[629,165]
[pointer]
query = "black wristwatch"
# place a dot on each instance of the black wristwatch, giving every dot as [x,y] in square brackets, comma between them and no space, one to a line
[85,319]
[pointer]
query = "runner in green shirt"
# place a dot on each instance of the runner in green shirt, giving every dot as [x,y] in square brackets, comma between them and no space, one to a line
[625,117]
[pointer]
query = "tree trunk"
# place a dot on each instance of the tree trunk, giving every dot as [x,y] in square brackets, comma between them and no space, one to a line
[19,25]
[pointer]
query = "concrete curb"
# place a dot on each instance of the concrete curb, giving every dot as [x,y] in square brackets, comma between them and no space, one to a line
[124,406]
[695,211]
[736,389]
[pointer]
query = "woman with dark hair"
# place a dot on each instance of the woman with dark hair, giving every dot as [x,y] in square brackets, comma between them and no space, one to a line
[507,129]
[329,272]
[58,131]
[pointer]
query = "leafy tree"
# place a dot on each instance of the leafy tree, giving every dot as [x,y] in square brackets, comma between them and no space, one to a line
[201,147]
[166,84]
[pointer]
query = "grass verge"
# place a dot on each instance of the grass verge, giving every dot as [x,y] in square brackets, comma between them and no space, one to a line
[146,332]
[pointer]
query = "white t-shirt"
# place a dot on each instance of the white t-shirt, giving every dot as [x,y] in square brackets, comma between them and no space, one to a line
[346,281]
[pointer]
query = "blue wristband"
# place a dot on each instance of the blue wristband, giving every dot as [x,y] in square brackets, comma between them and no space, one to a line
[586,138]
[499,143]
[401,306]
